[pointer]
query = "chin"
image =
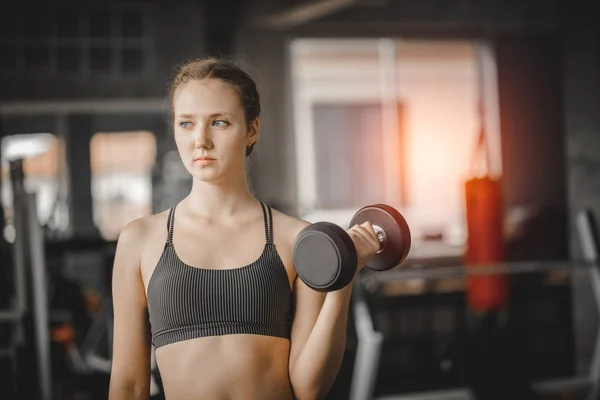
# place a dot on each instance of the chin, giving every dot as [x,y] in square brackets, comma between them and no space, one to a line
[206,174]
[206,177]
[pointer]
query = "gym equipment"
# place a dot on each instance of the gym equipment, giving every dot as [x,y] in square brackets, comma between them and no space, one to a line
[485,236]
[42,350]
[485,244]
[325,256]
[30,336]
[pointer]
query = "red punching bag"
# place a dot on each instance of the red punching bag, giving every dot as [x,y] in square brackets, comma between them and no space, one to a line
[485,242]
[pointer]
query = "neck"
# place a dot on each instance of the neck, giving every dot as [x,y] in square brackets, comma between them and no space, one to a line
[217,200]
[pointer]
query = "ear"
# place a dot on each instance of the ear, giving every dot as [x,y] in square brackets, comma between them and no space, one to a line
[253,131]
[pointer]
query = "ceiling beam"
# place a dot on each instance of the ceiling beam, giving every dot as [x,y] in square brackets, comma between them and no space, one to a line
[302,14]
[108,106]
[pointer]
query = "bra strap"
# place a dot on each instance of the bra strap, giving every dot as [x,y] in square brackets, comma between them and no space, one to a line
[170,223]
[270,225]
[268,222]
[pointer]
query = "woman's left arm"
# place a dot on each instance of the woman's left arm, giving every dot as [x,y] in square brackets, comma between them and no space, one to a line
[318,337]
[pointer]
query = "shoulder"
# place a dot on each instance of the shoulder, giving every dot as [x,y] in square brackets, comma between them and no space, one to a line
[285,231]
[286,225]
[136,234]
[138,242]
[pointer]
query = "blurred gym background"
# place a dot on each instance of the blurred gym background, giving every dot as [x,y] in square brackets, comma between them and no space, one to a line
[478,120]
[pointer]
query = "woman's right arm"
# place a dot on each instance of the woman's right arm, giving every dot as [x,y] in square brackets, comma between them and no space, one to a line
[130,372]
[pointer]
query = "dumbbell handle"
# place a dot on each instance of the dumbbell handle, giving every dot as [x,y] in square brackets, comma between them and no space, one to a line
[381,236]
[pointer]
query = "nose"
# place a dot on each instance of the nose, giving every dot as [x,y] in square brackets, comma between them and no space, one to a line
[202,137]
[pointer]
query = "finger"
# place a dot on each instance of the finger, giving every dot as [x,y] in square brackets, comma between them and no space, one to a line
[369,228]
[367,231]
[364,246]
[367,224]
[359,231]
[358,236]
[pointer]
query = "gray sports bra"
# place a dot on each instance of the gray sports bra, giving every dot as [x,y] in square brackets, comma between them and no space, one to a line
[186,302]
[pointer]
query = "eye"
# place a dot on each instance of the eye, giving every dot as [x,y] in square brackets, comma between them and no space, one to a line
[185,124]
[220,123]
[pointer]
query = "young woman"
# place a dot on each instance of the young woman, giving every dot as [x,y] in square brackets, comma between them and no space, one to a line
[210,283]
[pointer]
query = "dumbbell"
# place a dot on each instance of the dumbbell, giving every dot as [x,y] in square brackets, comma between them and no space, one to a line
[325,257]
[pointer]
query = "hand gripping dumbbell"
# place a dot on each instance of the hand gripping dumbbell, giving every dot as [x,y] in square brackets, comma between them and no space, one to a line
[325,257]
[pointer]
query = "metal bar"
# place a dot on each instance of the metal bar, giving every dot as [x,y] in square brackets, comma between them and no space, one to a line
[20,303]
[39,298]
[19,258]
[554,386]
[366,363]
[464,271]
[10,315]
[448,394]
[594,375]
[154,388]
[124,106]
[388,73]
[589,248]
[303,13]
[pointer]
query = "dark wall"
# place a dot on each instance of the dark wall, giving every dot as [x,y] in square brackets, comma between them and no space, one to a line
[581,83]
[434,17]
[533,137]
[581,86]
[172,31]
[272,165]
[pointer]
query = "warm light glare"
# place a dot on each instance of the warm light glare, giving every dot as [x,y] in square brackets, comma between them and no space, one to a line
[437,125]
[26,145]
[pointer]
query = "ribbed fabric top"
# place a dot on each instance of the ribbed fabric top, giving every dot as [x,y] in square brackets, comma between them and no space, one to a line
[187,302]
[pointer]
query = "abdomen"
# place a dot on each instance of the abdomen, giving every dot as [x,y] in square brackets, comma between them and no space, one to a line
[226,367]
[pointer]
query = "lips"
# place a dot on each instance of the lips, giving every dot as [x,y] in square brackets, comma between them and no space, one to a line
[204,161]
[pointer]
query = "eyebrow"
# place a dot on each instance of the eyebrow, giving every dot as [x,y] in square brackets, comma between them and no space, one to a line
[192,115]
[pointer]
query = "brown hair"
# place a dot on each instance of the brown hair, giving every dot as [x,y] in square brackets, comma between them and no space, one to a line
[228,72]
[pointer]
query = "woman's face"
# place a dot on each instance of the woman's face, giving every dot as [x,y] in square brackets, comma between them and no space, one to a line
[210,129]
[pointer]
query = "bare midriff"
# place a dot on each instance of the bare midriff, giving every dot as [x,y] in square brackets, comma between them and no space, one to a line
[227,367]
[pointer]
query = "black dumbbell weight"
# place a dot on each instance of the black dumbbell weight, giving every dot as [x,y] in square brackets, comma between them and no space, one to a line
[325,256]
